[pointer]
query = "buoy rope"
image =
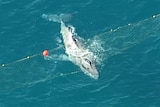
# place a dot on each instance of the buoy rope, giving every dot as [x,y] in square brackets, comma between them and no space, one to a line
[27,58]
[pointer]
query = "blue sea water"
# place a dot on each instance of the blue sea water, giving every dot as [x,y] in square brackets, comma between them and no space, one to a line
[129,79]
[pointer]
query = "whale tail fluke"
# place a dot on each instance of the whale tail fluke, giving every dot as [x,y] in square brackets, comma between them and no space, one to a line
[63,17]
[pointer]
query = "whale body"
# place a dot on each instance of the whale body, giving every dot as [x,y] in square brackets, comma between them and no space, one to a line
[77,53]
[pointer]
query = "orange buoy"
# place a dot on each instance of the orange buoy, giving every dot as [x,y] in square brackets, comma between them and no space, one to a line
[45,53]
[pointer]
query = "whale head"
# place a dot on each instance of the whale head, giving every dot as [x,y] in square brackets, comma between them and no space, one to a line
[89,68]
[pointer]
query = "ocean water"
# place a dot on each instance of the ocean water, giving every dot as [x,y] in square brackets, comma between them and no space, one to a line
[129,75]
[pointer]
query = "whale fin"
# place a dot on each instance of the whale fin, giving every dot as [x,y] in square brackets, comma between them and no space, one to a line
[61,57]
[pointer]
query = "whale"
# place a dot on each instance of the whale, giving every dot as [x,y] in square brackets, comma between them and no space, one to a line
[77,53]
[75,50]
